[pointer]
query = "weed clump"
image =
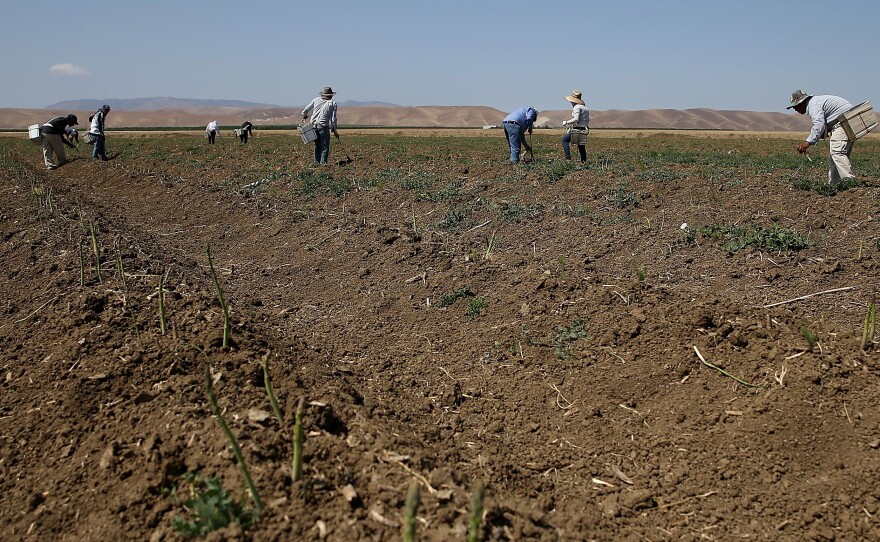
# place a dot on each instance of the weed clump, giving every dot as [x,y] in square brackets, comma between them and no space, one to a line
[735,238]
[447,299]
[825,189]
[209,507]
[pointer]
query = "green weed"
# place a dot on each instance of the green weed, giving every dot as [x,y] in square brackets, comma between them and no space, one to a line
[517,212]
[822,187]
[620,197]
[449,298]
[561,208]
[556,170]
[809,336]
[313,183]
[476,306]
[209,507]
[566,336]
[775,238]
[455,218]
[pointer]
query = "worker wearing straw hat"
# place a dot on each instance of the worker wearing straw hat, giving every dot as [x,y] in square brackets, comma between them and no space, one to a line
[824,112]
[323,111]
[578,126]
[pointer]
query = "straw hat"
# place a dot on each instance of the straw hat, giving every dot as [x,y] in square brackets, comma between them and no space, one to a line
[797,98]
[328,92]
[575,97]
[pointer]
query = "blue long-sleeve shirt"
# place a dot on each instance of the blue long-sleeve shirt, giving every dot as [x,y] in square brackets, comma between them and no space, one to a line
[824,110]
[524,116]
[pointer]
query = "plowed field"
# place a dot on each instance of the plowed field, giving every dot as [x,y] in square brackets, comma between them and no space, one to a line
[449,319]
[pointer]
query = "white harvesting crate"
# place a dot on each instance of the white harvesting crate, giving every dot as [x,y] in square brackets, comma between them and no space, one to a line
[307,133]
[859,120]
[34,133]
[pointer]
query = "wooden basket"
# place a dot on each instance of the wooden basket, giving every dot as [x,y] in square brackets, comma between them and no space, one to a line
[859,120]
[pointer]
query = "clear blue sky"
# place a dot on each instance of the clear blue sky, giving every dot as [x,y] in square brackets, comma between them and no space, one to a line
[623,54]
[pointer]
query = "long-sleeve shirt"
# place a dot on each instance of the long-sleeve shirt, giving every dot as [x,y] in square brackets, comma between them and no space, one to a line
[824,110]
[323,113]
[212,127]
[524,116]
[55,126]
[580,117]
[97,126]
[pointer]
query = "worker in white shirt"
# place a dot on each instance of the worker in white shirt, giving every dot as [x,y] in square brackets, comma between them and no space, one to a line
[823,111]
[212,131]
[323,118]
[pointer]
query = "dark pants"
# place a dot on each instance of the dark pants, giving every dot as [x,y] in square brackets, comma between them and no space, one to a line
[211,135]
[243,137]
[566,148]
[100,150]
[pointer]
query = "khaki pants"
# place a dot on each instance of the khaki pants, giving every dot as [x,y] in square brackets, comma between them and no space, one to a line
[52,144]
[839,166]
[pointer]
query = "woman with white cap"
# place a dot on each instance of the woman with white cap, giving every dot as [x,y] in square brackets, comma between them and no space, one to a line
[579,126]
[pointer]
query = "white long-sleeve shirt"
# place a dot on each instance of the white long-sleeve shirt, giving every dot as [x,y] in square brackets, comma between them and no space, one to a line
[824,110]
[213,127]
[580,117]
[323,113]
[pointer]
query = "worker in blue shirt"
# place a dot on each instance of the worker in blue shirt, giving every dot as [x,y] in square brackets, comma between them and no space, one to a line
[516,125]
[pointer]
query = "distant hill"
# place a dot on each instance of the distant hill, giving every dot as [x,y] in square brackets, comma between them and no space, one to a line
[422,116]
[157,104]
[355,103]
[151,104]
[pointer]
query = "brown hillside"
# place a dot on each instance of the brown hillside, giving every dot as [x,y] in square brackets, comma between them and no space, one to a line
[427,116]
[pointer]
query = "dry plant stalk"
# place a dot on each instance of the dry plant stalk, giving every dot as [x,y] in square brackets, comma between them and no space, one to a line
[722,371]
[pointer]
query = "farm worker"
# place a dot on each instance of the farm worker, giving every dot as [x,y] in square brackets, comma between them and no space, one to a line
[516,125]
[72,134]
[247,129]
[823,111]
[54,139]
[323,112]
[212,130]
[579,126]
[96,129]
